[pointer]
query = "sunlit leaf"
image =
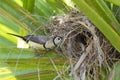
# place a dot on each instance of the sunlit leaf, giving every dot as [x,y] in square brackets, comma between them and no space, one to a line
[117,2]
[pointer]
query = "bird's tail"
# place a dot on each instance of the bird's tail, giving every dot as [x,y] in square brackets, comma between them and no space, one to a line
[16,35]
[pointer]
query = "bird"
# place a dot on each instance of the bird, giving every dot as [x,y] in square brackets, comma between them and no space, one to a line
[41,42]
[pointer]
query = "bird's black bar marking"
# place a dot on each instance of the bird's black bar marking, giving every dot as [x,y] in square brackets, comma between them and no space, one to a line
[44,46]
[54,41]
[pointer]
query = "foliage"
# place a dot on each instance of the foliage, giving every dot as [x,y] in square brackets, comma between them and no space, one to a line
[27,19]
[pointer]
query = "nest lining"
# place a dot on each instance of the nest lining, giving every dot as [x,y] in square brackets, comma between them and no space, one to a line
[84,45]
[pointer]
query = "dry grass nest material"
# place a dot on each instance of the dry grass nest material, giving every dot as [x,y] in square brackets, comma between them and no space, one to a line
[84,45]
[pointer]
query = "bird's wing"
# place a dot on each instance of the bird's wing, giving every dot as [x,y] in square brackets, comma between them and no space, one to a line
[37,39]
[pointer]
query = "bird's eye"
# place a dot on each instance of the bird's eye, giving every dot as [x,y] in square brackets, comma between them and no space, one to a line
[59,38]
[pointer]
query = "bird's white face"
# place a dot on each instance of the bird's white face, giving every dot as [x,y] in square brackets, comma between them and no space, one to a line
[58,40]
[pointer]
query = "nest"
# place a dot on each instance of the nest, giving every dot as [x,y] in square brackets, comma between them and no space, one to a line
[84,45]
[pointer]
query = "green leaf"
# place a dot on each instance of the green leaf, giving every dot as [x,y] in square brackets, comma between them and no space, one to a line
[116,2]
[115,74]
[29,5]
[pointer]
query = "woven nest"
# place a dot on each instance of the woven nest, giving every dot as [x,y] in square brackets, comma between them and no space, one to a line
[84,45]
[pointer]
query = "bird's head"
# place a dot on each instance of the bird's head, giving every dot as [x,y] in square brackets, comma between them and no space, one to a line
[57,40]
